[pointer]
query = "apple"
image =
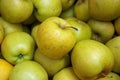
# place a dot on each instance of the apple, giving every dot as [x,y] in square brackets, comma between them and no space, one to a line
[100,30]
[17,47]
[16,11]
[67,4]
[114,45]
[28,70]
[111,76]
[2,33]
[46,8]
[52,66]
[81,10]
[10,27]
[55,37]
[65,74]
[104,10]
[82,29]
[117,25]
[91,59]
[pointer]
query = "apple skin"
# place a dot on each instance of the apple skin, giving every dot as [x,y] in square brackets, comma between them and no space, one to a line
[65,74]
[106,10]
[91,59]
[47,8]
[16,11]
[17,47]
[28,70]
[55,38]
[117,25]
[100,30]
[114,45]
[81,10]
[52,66]
[82,29]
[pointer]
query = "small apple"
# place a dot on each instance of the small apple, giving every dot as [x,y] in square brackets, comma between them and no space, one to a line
[91,59]
[52,66]
[82,29]
[117,25]
[100,30]
[17,47]
[81,10]
[65,74]
[67,4]
[28,70]
[46,8]
[55,37]
[110,76]
[114,45]
[16,11]
[104,10]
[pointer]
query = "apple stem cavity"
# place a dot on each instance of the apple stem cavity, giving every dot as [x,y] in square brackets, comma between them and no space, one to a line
[20,56]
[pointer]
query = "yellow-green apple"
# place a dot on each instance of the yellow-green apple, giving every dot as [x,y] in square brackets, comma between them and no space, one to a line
[17,47]
[2,33]
[82,29]
[65,74]
[52,66]
[28,70]
[91,59]
[81,10]
[55,37]
[111,76]
[104,10]
[46,8]
[117,25]
[114,45]
[100,30]
[16,11]
[10,27]
[68,13]
[67,4]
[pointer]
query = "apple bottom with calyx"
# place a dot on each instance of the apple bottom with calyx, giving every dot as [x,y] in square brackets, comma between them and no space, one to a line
[91,59]
[28,70]
[17,47]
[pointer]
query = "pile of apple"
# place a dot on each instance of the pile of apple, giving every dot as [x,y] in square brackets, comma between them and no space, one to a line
[61,39]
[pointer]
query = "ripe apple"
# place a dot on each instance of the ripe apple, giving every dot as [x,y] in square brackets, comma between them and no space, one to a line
[28,70]
[82,29]
[110,76]
[100,30]
[55,37]
[67,4]
[10,27]
[65,74]
[52,66]
[91,59]
[114,45]
[17,47]
[104,10]
[117,25]
[2,33]
[16,11]
[46,8]
[81,10]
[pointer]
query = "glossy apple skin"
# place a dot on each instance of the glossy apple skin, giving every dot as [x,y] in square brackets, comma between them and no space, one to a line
[28,70]
[91,59]
[17,47]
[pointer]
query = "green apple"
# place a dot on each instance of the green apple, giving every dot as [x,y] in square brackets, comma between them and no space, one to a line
[81,10]
[104,10]
[117,25]
[114,45]
[10,27]
[110,76]
[67,4]
[65,74]
[46,8]
[55,37]
[52,66]
[17,47]
[2,33]
[100,30]
[28,70]
[82,29]
[91,59]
